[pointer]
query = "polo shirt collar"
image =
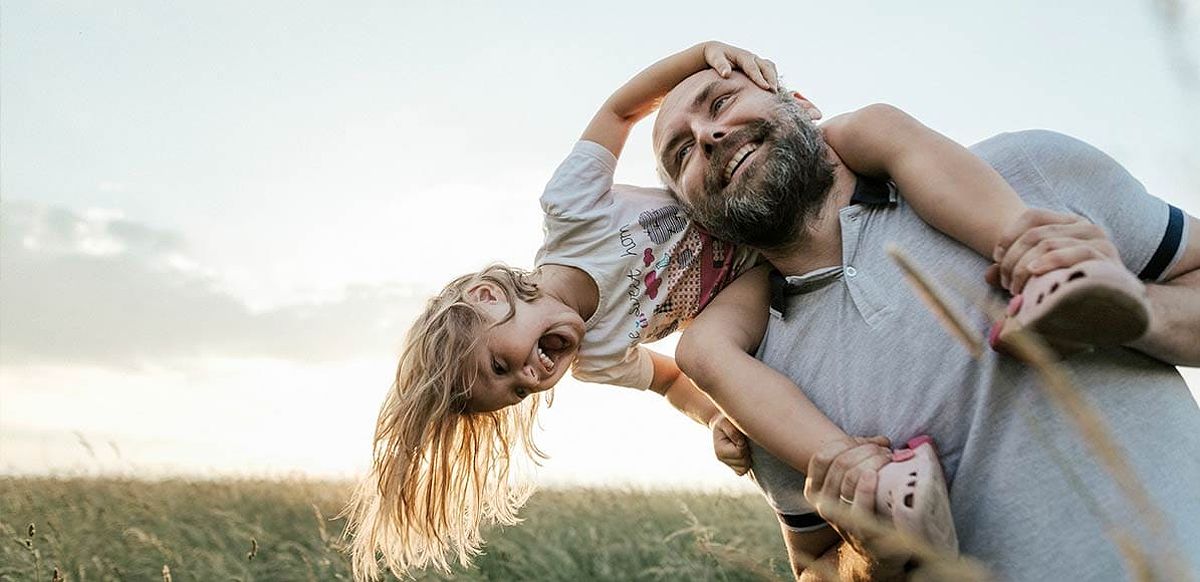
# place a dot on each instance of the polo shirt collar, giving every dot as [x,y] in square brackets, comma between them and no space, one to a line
[867,191]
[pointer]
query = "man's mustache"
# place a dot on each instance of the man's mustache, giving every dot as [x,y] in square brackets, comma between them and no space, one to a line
[758,130]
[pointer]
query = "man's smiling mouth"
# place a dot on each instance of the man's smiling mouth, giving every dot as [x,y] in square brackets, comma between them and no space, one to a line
[738,158]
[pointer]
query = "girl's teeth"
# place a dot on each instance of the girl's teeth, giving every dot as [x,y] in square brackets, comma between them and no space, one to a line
[546,361]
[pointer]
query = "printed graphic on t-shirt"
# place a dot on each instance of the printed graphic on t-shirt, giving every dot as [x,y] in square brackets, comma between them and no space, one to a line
[661,223]
[669,286]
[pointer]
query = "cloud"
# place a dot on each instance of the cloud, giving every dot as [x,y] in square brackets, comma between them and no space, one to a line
[98,288]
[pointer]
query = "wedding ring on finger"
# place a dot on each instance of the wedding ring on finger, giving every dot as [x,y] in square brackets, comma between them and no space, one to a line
[846,500]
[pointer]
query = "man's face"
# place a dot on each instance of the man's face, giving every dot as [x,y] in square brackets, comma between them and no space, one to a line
[748,163]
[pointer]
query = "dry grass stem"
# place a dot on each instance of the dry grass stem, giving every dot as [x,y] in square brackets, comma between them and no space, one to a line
[1065,395]
[1091,426]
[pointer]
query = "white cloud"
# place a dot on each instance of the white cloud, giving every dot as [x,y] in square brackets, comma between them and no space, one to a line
[102,289]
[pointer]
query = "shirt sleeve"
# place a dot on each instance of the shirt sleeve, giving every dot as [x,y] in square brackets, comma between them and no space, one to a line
[634,369]
[1149,234]
[583,182]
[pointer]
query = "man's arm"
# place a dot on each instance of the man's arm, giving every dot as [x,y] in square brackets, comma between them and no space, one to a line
[860,556]
[1174,334]
[1042,241]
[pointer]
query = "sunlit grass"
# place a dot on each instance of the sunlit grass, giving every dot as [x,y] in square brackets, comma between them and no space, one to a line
[122,529]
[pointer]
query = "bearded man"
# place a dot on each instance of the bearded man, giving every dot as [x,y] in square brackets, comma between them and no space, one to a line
[1028,497]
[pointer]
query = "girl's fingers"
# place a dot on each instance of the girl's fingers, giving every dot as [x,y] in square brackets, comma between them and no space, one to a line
[719,61]
[772,76]
[1029,219]
[1062,258]
[1019,249]
[1019,272]
[749,65]
[1044,239]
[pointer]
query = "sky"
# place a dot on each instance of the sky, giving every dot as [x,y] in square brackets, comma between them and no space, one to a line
[218,218]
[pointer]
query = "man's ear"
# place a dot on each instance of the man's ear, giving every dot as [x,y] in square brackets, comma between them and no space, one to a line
[485,293]
[808,107]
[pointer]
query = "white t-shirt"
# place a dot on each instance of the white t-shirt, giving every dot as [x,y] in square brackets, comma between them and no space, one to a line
[654,270]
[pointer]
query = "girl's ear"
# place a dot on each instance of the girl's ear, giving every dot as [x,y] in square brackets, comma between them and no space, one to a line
[486,293]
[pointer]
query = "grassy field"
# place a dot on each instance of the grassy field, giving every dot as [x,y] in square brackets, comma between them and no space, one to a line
[120,529]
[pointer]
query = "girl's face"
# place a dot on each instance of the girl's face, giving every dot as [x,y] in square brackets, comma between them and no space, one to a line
[527,354]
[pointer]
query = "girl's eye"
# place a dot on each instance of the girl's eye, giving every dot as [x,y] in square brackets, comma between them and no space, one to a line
[497,368]
[521,393]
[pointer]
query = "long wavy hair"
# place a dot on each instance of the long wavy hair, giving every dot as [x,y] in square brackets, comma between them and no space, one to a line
[439,473]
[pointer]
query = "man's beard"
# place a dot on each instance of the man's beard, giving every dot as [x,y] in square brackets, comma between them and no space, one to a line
[772,202]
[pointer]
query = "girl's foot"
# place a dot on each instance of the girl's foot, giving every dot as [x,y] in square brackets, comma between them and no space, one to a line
[1093,304]
[912,489]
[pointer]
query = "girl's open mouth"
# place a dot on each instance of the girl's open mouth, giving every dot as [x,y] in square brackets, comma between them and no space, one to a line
[551,348]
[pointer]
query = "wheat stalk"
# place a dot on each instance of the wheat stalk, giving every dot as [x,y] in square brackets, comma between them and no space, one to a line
[1032,350]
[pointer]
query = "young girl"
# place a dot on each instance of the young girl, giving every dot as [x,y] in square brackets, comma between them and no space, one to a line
[621,266]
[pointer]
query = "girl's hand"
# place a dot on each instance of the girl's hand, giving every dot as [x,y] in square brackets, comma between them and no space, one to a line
[730,444]
[724,58]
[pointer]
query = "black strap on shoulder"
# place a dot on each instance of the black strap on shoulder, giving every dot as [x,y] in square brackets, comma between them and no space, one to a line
[1167,249]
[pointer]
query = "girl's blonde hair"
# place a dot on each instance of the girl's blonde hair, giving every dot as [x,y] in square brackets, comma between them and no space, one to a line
[440,473]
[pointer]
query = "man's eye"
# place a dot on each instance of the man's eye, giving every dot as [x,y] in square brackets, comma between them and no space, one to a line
[497,368]
[521,393]
[683,151]
[720,102]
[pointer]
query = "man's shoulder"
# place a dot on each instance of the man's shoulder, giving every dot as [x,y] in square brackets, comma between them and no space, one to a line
[1054,154]
[1033,143]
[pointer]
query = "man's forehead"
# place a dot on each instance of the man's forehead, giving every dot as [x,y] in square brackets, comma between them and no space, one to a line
[679,98]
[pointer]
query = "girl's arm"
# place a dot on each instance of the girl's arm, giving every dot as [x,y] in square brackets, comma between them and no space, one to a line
[680,391]
[763,403]
[949,187]
[641,95]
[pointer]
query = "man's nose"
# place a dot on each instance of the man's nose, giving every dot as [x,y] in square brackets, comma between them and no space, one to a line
[710,137]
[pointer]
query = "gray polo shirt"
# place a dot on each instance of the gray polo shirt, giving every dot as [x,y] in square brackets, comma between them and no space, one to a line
[1028,497]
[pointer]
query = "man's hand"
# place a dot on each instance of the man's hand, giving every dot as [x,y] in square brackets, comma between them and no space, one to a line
[855,461]
[1041,241]
[730,444]
[724,58]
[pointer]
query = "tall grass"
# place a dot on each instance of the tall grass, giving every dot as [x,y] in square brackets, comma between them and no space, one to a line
[122,529]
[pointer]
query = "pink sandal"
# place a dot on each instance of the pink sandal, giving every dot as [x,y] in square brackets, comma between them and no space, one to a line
[912,489]
[1094,303]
